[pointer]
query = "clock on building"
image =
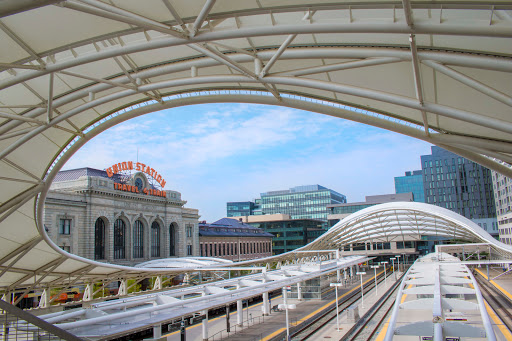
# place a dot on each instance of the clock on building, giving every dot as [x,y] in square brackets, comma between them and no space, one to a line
[139,184]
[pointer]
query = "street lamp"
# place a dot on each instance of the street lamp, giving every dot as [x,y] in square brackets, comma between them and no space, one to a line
[375,267]
[337,312]
[362,294]
[385,277]
[393,262]
[285,289]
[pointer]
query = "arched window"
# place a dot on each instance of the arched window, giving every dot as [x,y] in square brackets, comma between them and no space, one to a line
[99,239]
[119,239]
[172,240]
[155,239]
[138,240]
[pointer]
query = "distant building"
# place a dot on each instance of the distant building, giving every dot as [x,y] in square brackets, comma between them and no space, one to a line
[460,185]
[289,234]
[232,239]
[502,187]
[340,211]
[243,208]
[412,182]
[301,202]
[121,220]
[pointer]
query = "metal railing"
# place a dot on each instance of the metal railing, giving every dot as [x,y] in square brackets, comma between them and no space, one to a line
[19,325]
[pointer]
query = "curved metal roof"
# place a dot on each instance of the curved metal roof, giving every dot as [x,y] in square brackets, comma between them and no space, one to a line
[438,71]
[396,220]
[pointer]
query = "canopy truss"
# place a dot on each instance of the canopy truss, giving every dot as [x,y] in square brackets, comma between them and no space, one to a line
[437,71]
[396,221]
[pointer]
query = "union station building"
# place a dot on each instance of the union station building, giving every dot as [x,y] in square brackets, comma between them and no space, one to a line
[120,219]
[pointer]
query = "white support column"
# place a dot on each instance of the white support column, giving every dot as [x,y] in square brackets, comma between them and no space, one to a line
[88,292]
[299,292]
[205,325]
[239,310]
[157,331]
[158,283]
[43,303]
[266,304]
[122,288]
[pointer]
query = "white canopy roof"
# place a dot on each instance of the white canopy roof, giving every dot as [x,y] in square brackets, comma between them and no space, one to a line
[440,72]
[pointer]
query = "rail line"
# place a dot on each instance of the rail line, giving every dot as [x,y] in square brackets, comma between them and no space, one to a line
[307,329]
[369,323]
[501,304]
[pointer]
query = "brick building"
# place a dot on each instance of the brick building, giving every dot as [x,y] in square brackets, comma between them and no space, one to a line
[231,239]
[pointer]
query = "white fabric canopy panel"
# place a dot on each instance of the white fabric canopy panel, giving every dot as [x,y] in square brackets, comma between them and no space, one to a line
[398,221]
[440,72]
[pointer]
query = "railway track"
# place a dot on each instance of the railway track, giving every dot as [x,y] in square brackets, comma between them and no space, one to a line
[307,329]
[501,304]
[368,325]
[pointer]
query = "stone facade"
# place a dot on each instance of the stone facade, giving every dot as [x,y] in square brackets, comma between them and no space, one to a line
[80,217]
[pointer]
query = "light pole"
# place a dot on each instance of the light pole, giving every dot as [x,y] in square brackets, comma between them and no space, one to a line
[398,262]
[393,262]
[337,311]
[362,294]
[285,294]
[375,267]
[385,277]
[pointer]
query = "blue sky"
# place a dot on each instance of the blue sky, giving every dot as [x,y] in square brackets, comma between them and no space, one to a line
[215,153]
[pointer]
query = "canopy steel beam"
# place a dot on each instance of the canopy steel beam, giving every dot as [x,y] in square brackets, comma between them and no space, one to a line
[99,80]
[473,83]
[202,16]
[278,54]
[131,20]
[339,66]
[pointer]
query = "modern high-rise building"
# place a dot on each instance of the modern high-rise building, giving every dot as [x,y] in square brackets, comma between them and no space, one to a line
[412,182]
[301,202]
[460,185]
[503,199]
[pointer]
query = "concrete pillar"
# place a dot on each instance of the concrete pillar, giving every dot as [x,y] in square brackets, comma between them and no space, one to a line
[299,292]
[157,331]
[266,304]
[205,325]
[239,310]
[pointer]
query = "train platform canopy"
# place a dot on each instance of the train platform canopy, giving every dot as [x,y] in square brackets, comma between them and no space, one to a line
[71,69]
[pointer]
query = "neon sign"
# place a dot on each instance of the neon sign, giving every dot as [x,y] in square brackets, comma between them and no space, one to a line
[139,166]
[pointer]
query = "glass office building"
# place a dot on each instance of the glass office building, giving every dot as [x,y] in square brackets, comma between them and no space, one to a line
[412,182]
[290,234]
[301,202]
[240,208]
[460,185]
